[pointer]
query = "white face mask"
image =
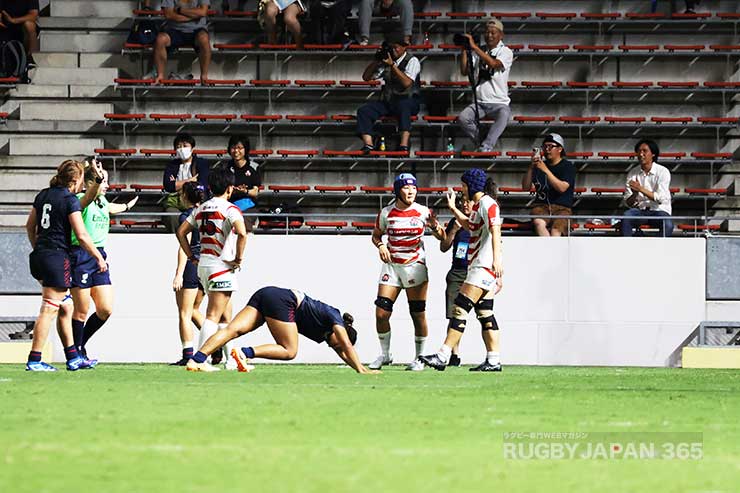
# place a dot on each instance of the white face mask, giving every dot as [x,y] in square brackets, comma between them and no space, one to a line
[184,153]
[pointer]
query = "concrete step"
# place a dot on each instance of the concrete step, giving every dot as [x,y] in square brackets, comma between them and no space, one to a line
[51,59]
[24,179]
[46,163]
[22,198]
[75,76]
[39,91]
[45,146]
[87,23]
[88,8]
[81,42]
[30,127]
[54,111]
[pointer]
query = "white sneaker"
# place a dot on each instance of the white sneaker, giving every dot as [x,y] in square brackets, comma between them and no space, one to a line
[230,364]
[201,367]
[380,361]
[415,365]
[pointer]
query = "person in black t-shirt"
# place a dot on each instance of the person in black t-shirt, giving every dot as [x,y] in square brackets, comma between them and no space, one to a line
[554,179]
[287,312]
[19,22]
[247,178]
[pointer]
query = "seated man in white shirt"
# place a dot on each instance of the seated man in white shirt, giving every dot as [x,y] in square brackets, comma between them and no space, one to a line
[491,67]
[400,73]
[648,191]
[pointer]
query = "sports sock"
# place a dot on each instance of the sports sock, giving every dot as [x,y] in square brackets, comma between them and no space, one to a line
[70,353]
[493,357]
[445,352]
[248,352]
[92,325]
[199,357]
[187,352]
[78,331]
[419,342]
[34,356]
[228,345]
[209,328]
[385,343]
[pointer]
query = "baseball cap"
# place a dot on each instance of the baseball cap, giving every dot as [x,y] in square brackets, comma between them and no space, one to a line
[497,24]
[556,138]
[396,38]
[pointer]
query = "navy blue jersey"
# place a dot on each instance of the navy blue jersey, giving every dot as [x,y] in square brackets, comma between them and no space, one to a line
[316,319]
[53,207]
[545,194]
[194,235]
[459,247]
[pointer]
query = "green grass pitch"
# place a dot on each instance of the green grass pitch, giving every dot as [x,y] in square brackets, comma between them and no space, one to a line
[298,428]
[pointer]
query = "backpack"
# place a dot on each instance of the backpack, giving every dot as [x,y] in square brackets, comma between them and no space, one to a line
[144,31]
[13,61]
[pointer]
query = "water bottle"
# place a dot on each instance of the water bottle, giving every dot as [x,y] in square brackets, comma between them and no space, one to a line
[450,145]
[382,144]
[426,38]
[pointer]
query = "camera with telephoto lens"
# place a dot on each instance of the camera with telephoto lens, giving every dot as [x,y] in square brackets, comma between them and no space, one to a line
[461,40]
[383,52]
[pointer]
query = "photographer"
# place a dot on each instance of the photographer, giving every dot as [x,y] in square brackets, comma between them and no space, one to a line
[400,73]
[554,179]
[491,79]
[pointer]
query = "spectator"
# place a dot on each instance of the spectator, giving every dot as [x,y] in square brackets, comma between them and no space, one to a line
[400,72]
[187,24]
[553,180]
[690,4]
[491,72]
[291,9]
[247,179]
[184,168]
[648,191]
[386,8]
[19,22]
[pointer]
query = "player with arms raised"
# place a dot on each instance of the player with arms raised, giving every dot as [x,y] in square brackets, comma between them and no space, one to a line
[485,269]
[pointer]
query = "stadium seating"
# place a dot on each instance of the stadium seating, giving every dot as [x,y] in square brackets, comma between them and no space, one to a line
[601,79]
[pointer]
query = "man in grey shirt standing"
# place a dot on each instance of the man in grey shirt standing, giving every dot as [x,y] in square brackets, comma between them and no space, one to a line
[187,25]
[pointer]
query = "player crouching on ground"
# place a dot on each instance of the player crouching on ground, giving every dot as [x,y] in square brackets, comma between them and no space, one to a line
[287,312]
[485,269]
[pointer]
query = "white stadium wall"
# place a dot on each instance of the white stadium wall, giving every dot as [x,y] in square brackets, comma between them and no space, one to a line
[567,301]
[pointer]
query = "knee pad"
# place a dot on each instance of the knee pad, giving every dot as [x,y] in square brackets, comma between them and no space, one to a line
[417,306]
[464,303]
[484,308]
[457,324]
[488,323]
[384,303]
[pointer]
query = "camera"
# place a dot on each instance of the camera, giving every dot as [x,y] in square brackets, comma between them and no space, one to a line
[461,40]
[383,52]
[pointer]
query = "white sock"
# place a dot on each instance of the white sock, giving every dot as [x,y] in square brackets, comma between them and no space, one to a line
[445,352]
[419,341]
[209,328]
[228,345]
[385,343]
[493,357]
[187,345]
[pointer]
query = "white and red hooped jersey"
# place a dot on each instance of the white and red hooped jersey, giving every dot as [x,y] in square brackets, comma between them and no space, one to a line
[214,220]
[485,213]
[405,230]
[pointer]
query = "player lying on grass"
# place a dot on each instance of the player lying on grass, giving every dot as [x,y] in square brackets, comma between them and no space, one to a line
[287,312]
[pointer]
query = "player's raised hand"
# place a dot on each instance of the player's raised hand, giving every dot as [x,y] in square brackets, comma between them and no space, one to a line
[432,221]
[450,195]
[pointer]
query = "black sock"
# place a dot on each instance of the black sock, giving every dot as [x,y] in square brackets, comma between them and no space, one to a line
[34,356]
[78,330]
[91,327]
[70,353]
[187,353]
